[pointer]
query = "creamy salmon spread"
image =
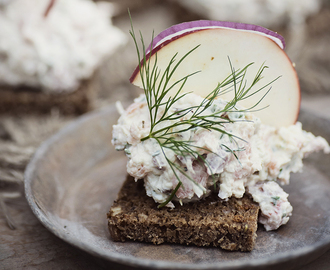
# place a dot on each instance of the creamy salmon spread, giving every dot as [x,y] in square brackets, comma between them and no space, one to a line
[248,157]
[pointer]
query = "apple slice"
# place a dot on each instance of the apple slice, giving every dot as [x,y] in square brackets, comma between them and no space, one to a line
[243,44]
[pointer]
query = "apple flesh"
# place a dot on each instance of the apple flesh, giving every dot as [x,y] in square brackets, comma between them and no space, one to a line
[242,44]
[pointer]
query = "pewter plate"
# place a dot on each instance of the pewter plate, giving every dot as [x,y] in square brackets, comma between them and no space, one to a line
[74,177]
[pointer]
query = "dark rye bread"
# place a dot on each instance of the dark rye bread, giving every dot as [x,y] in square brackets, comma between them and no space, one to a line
[23,100]
[230,225]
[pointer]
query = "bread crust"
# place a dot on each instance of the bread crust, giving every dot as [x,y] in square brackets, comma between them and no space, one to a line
[230,225]
[23,99]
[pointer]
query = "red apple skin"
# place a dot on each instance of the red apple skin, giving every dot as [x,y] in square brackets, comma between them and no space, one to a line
[148,55]
[284,107]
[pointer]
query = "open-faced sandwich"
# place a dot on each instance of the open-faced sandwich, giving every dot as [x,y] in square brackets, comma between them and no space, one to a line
[212,139]
[50,52]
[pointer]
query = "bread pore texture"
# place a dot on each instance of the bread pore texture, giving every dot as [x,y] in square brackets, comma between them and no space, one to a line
[230,225]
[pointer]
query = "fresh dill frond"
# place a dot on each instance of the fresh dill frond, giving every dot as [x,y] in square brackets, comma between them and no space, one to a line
[156,84]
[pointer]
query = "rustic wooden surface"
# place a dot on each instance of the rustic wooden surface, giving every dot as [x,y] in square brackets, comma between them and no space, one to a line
[24,242]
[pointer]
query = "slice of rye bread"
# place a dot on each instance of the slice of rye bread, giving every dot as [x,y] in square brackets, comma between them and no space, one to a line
[27,100]
[230,225]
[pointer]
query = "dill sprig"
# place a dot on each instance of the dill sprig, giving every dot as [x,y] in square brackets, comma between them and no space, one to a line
[156,85]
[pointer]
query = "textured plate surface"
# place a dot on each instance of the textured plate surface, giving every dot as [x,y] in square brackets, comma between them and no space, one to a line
[74,177]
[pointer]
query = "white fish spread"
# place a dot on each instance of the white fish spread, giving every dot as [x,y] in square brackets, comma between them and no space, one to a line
[54,51]
[267,13]
[256,159]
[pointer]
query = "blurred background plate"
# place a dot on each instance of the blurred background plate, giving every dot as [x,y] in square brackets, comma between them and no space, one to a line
[74,177]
